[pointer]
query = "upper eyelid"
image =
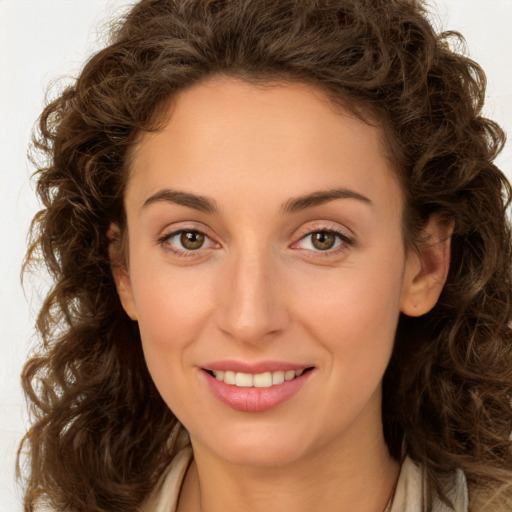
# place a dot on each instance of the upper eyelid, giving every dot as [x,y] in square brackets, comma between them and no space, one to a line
[342,236]
[338,232]
[174,232]
[179,227]
[303,231]
[319,226]
[185,225]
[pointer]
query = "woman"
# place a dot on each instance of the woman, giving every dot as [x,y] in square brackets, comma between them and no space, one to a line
[277,225]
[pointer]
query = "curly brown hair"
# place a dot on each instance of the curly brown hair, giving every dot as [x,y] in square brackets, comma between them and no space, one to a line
[101,434]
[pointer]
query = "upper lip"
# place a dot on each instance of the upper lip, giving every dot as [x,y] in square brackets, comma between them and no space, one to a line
[254,368]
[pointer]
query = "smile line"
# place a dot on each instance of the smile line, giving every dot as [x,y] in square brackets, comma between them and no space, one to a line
[259,380]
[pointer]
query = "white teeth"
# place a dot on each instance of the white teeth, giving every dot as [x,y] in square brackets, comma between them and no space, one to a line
[289,375]
[263,380]
[229,377]
[260,380]
[244,380]
[277,377]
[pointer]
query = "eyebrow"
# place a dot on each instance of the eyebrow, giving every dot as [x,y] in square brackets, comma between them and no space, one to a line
[201,203]
[321,197]
[293,205]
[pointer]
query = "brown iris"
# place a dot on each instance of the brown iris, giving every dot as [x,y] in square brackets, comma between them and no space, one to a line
[192,240]
[323,240]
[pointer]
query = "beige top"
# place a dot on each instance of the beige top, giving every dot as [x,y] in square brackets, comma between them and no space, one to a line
[409,493]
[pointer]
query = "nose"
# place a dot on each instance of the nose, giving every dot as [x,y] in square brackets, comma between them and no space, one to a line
[252,306]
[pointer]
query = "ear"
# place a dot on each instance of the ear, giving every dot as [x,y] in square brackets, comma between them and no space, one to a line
[120,271]
[427,268]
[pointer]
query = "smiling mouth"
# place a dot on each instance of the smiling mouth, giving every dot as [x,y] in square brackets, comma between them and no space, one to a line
[259,380]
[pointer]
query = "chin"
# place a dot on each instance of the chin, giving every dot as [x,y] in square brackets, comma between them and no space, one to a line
[256,449]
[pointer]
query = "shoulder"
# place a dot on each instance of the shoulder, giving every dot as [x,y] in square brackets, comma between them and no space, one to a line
[483,500]
[164,497]
[411,491]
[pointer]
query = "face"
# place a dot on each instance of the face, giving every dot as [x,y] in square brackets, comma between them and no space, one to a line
[267,270]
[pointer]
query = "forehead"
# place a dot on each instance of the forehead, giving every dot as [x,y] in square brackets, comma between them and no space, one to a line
[226,134]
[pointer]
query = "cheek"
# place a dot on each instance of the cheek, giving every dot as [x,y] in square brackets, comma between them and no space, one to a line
[169,300]
[354,313]
[172,308]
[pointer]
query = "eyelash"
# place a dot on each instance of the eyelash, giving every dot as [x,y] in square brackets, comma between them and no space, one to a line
[164,241]
[344,241]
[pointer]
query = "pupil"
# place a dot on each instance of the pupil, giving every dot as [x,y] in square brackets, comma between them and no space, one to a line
[323,240]
[192,240]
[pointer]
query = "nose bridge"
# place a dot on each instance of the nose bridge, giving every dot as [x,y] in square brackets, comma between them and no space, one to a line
[251,307]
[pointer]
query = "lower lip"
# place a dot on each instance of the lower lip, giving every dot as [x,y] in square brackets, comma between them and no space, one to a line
[255,399]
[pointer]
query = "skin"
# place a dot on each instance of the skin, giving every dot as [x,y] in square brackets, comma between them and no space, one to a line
[258,289]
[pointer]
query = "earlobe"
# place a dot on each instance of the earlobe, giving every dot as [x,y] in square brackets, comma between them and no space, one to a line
[120,272]
[427,268]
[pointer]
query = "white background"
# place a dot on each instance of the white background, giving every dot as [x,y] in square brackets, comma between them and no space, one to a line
[41,40]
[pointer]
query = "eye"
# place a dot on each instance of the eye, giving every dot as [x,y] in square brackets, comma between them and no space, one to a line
[325,240]
[192,240]
[186,240]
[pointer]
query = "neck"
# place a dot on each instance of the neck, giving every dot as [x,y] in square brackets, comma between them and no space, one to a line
[334,479]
